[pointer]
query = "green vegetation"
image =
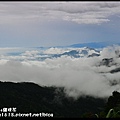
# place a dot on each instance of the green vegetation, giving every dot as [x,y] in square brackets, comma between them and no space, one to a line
[30,97]
[112,107]
[111,114]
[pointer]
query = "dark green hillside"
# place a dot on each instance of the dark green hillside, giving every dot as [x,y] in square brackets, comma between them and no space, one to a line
[30,97]
[113,102]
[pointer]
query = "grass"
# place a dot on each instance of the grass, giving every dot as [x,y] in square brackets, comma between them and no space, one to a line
[111,114]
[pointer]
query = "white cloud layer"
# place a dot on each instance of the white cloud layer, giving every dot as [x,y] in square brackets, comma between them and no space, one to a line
[79,76]
[79,12]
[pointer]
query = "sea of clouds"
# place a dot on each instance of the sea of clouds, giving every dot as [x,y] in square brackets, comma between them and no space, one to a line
[79,76]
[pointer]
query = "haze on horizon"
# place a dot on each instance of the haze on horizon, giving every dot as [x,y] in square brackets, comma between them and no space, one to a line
[58,23]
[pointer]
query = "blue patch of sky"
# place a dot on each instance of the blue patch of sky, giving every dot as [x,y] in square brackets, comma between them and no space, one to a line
[59,33]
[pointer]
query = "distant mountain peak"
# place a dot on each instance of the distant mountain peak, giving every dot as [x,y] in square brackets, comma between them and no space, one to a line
[93,45]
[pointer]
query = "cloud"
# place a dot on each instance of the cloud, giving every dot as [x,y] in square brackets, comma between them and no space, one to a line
[79,76]
[55,50]
[79,12]
[110,51]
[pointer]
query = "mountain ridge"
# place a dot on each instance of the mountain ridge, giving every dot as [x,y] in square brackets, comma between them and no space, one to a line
[93,44]
[30,97]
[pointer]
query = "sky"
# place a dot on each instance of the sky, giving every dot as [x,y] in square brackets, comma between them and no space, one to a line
[44,24]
